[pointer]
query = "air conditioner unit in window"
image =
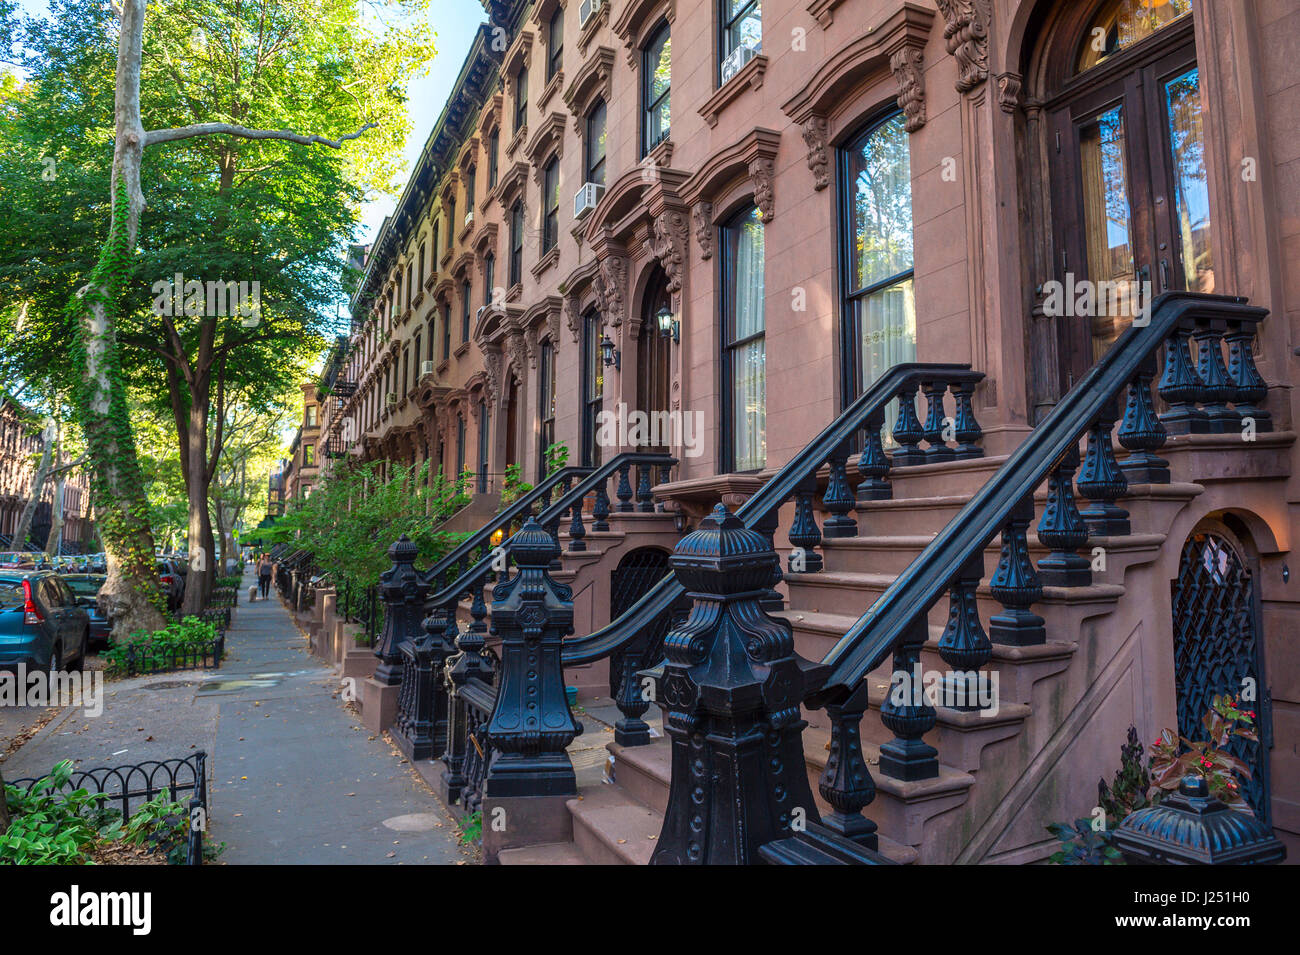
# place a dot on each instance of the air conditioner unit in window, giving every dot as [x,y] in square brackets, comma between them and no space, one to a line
[737,58]
[469,219]
[426,368]
[585,199]
[587,10]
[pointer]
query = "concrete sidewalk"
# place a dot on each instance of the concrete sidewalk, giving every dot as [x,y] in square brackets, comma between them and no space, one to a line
[294,777]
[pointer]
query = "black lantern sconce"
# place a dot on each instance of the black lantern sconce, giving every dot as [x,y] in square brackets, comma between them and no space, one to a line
[669,327]
[608,353]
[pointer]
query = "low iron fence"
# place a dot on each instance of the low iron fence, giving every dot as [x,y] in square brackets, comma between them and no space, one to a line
[143,658]
[128,787]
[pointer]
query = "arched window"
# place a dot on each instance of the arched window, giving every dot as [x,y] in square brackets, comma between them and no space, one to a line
[879,310]
[744,345]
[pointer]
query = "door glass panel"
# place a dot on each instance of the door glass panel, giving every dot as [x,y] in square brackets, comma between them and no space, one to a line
[1108,226]
[1122,23]
[1191,189]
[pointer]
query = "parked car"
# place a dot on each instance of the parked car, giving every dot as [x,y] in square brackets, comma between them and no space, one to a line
[172,582]
[41,624]
[86,588]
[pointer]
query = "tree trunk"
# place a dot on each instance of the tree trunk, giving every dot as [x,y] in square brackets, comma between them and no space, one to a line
[199,532]
[4,806]
[131,592]
[38,488]
[53,542]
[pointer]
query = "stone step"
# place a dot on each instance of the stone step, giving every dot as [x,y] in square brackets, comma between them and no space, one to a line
[553,853]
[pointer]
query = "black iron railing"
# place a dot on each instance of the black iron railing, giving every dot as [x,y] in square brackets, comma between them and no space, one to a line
[128,787]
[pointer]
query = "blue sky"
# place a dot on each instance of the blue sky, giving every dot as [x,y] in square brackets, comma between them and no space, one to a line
[455,22]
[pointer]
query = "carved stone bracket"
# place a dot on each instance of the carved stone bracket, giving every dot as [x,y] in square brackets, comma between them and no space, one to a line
[905,64]
[610,286]
[669,246]
[572,316]
[703,215]
[1009,86]
[761,173]
[814,137]
[967,38]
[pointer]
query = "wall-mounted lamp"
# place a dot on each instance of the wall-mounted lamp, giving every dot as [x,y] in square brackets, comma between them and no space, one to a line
[608,353]
[498,536]
[669,327]
[680,522]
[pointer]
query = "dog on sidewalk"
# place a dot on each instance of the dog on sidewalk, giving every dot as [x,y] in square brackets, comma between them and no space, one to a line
[252,594]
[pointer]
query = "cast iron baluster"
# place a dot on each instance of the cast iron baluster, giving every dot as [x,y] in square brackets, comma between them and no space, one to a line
[645,499]
[771,601]
[1141,432]
[1248,387]
[1016,586]
[964,646]
[846,782]
[907,429]
[414,729]
[935,425]
[600,509]
[404,595]
[804,535]
[1180,386]
[873,465]
[531,725]
[1216,388]
[967,430]
[624,492]
[1062,529]
[665,472]
[576,531]
[730,688]
[906,713]
[838,498]
[478,611]
[1101,481]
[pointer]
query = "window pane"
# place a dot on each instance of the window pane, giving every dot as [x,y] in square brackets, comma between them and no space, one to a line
[659,61]
[1107,221]
[746,238]
[1121,23]
[1191,189]
[596,144]
[749,405]
[744,24]
[880,170]
[887,323]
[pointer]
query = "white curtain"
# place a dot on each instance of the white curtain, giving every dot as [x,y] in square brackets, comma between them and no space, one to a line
[749,361]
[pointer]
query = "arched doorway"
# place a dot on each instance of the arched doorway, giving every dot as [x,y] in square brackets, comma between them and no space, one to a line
[637,572]
[1218,648]
[654,354]
[512,423]
[1126,161]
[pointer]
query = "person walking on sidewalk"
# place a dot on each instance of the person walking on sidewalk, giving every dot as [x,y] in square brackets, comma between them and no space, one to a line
[264,575]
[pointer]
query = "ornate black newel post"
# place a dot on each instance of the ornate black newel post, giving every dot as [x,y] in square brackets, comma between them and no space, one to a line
[730,689]
[531,724]
[403,595]
[1191,827]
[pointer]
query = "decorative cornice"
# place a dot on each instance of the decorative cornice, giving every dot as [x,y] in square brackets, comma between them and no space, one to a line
[636,21]
[589,30]
[702,214]
[595,78]
[547,141]
[553,85]
[669,246]
[823,11]
[486,239]
[750,76]
[753,155]
[464,262]
[511,184]
[851,64]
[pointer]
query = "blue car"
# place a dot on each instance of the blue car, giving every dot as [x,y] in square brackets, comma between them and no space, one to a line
[41,624]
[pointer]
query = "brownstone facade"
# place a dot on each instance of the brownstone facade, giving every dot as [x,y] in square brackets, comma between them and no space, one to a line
[20,452]
[873,182]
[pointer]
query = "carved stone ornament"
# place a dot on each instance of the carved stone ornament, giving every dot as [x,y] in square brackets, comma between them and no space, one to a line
[761,173]
[967,37]
[703,213]
[572,318]
[553,326]
[609,284]
[669,246]
[1009,85]
[814,137]
[492,368]
[905,64]
[516,350]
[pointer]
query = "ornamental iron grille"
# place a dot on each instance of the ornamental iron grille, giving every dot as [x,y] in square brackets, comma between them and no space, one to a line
[1216,649]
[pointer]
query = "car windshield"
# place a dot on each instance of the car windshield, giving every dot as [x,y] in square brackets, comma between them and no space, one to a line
[11,592]
[85,586]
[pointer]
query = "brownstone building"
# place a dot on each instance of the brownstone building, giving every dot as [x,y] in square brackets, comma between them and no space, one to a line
[21,444]
[749,213]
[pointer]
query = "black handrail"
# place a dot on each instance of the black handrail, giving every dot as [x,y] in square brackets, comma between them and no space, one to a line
[761,509]
[907,600]
[476,575]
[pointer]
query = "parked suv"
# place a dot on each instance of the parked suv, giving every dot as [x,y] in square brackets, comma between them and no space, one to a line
[172,582]
[41,624]
[86,588]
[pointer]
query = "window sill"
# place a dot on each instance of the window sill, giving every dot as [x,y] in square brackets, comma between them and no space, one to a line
[515,292]
[749,77]
[462,349]
[546,261]
[516,141]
